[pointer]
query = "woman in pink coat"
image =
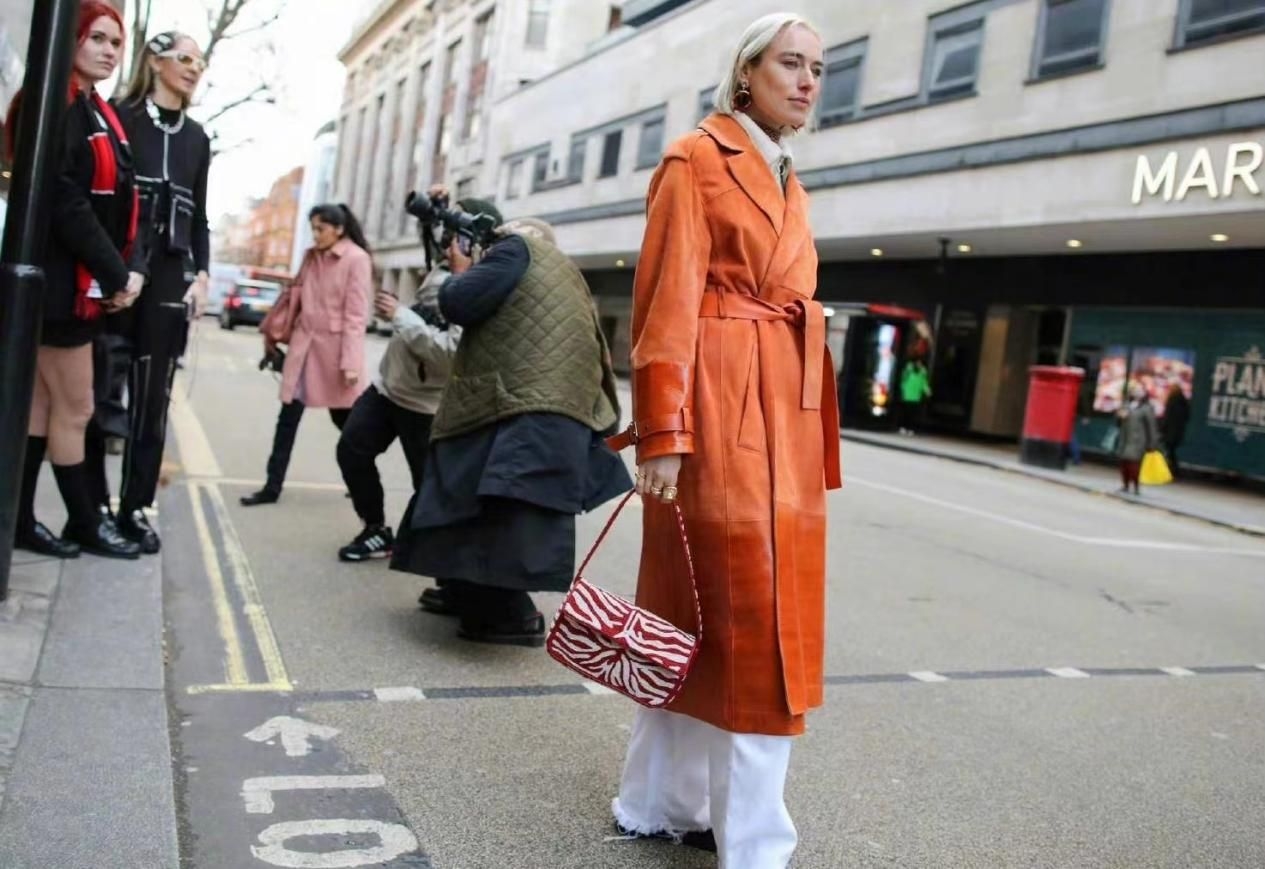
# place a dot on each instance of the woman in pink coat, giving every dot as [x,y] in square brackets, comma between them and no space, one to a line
[325,366]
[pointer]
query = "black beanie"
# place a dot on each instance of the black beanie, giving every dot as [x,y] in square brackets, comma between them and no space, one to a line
[481,206]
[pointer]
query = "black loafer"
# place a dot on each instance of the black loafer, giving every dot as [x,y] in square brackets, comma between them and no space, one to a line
[263,496]
[135,527]
[102,538]
[530,632]
[435,601]
[703,840]
[40,540]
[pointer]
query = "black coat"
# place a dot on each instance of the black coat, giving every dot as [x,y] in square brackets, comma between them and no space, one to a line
[1176,418]
[87,228]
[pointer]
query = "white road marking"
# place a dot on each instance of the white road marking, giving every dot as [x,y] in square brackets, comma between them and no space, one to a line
[599,690]
[296,734]
[1067,672]
[257,792]
[1177,671]
[1260,666]
[255,484]
[405,694]
[196,456]
[1157,545]
[394,841]
[928,676]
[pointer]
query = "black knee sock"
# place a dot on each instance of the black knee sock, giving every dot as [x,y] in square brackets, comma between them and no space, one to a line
[35,447]
[72,481]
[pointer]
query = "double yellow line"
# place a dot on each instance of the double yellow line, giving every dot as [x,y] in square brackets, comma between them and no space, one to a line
[202,469]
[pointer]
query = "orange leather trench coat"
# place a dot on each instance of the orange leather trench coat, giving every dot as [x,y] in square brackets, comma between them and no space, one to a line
[731,370]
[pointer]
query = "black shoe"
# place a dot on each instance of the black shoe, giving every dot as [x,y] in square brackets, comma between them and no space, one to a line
[530,632]
[40,540]
[135,527]
[703,840]
[102,538]
[263,496]
[435,601]
[376,541]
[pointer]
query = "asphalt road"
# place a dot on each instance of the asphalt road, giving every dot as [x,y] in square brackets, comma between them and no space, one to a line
[1039,727]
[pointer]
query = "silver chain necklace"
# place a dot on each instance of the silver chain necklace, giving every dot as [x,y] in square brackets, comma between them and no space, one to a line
[169,129]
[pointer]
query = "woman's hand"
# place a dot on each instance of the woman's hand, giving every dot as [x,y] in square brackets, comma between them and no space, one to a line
[196,295]
[657,478]
[350,378]
[385,305]
[131,292]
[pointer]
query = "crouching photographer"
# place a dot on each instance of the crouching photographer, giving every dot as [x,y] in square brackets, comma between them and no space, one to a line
[516,447]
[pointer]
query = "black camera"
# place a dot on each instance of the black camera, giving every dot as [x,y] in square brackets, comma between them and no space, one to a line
[433,213]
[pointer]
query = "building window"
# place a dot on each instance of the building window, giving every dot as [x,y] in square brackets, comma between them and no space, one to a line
[841,84]
[1070,36]
[483,38]
[515,185]
[417,151]
[610,153]
[706,102]
[450,64]
[539,170]
[650,145]
[1204,20]
[443,142]
[954,60]
[538,23]
[474,114]
[465,188]
[575,160]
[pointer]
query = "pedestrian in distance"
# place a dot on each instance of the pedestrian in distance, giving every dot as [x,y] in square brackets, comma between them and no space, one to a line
[1139,434]
[325,365]
[735,420]
[94,269]
[516,449]
[1173,425]
[140,347]
[400,403]
[915,389]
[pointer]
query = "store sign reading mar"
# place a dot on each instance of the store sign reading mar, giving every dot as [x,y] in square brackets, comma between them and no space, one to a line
[1240,168]
[1238,394]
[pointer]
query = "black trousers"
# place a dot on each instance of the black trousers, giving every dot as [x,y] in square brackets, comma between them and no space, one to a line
[283,440]
[483,605]
[375,422]
[1170,452]
[141,357]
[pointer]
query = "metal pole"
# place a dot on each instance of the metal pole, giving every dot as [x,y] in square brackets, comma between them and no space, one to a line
[49,58]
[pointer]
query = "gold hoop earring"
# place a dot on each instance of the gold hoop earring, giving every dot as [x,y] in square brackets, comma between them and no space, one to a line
[742,99]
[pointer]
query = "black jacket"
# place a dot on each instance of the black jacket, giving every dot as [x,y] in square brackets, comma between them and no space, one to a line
[87,228]
[171,171]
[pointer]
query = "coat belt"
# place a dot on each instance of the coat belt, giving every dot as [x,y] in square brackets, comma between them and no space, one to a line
[819,383]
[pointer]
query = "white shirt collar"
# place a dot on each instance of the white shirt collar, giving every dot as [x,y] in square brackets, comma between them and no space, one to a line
[772,152]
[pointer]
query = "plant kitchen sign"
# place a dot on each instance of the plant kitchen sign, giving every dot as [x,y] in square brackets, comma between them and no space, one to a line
[1218,176]
[1238,394]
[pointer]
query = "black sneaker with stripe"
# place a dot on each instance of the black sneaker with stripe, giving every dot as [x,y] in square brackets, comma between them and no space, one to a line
[376,541]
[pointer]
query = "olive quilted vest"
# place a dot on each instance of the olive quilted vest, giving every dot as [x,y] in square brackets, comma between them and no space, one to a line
[543,351]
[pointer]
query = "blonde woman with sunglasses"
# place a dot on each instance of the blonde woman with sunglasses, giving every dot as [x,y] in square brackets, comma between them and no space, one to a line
[173,158]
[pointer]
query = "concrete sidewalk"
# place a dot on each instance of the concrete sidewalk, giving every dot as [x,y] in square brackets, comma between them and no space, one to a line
[85,756]
[1220,504]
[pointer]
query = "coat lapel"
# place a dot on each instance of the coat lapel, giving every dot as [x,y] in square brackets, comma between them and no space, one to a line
[748,167]
[794,234]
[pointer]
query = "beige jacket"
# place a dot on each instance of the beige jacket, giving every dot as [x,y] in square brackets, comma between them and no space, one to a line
[418,359]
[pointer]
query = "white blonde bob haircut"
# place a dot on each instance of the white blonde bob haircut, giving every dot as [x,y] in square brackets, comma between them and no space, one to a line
[759,36]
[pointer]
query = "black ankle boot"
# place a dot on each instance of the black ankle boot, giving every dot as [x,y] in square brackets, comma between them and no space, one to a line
[134,525]
[94,532]
[265,495]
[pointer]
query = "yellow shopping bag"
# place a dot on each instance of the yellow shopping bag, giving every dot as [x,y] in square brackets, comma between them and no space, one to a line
[1155,470]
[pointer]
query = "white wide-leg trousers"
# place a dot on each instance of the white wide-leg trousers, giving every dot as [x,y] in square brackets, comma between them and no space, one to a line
[682,774]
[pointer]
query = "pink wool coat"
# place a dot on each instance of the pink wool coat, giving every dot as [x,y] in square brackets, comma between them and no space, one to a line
[332,292]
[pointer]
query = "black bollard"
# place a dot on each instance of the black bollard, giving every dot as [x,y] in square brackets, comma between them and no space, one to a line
[49,57]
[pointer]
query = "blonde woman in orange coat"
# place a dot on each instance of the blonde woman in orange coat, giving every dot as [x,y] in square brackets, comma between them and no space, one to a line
[736,421]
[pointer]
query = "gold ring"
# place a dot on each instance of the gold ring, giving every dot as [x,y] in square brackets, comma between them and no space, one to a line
[669,496]
[656,490]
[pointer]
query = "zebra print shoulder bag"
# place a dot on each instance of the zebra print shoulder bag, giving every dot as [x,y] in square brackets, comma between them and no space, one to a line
[610,640]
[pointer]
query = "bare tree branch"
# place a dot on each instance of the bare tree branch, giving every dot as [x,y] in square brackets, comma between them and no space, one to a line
[261,94]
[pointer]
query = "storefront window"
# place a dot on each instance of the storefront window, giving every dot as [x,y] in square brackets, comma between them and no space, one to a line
[1155,368]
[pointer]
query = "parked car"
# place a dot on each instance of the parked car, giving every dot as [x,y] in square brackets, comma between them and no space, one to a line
[248,303]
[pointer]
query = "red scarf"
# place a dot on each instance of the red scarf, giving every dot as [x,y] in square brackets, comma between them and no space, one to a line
[105,181]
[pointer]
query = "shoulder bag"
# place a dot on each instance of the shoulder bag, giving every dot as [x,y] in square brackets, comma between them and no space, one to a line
[611,641]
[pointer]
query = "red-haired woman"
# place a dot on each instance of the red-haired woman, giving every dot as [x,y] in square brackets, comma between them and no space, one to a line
[94,266]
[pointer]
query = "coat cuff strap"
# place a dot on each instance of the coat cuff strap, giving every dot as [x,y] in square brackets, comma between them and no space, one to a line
[682,421]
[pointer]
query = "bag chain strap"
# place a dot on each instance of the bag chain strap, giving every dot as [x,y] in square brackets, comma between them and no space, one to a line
[685,543]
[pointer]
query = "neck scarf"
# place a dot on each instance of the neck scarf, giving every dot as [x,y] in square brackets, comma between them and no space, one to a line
[105,182]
